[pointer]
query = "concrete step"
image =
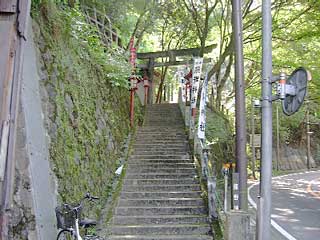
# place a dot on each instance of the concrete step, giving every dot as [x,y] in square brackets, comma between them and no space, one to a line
[168,134]
[173,113]
[160,152]
[155,129]
[165,115]
[159,161]
[161,229]
[160,156]
[161,123]
[161,142]
[158,147]
[163,110]
[162,134]
[154,112]
[153,175]
[139,165]
[158,119]
[160,195]
[175,202]
[162,237]
[161,188]
[137,211]
[161,181]
[159,132]
[165,219]
[190,171]
[159,138]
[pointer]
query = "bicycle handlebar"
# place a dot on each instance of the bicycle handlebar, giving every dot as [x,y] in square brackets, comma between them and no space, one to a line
[90,197]
[78,207]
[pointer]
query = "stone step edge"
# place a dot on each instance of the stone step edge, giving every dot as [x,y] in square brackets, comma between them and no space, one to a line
[169,237]
[161,199]
[166,185]
[156,164]
[163,216]
[171,207]
[155,174]
[161,179]
[162,225]
[148,192]
[160,159]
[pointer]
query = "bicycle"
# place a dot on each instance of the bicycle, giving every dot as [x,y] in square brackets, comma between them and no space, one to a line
[69,222]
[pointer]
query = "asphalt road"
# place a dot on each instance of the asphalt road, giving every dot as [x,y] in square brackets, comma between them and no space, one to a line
[295,206]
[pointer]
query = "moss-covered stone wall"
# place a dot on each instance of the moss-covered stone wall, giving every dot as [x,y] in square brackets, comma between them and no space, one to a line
[85,100]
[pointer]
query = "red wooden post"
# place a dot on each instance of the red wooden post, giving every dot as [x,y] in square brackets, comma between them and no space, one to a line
[133,88]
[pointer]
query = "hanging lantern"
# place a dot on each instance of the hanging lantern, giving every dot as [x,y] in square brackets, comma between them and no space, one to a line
[145,82]
[133,83]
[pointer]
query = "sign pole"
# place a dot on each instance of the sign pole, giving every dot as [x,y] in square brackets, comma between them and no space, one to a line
[253,148]
[278,138]
[266,138]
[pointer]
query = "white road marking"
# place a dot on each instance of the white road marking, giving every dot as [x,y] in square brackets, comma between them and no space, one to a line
[273,223]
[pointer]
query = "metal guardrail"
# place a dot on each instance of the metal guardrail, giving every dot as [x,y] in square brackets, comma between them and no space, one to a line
[208,169]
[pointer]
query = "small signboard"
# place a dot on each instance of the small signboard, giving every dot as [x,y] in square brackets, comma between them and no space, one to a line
[256,140]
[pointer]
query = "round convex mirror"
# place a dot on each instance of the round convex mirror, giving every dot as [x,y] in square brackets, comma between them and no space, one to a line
[298,81]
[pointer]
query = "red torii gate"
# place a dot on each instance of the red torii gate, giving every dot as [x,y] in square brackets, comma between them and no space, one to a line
[150,58]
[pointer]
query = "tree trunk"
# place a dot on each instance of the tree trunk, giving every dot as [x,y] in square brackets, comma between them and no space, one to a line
[160,90]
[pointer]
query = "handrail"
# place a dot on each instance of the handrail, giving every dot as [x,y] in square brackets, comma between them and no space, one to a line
[208,172]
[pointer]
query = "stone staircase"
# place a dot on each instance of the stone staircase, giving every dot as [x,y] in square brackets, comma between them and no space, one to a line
[160,197]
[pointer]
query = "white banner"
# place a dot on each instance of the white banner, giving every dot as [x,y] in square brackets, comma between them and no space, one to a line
[182,81]
[196,75]
[202,114]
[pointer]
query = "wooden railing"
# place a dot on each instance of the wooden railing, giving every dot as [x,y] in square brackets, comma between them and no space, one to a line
[107,33]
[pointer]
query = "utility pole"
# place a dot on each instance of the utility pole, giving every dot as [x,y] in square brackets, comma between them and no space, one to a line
[308,136]
[266,138]
[278,139]
[253,149]
[241,155]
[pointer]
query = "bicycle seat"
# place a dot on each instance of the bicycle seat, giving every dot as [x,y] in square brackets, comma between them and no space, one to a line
[87,223]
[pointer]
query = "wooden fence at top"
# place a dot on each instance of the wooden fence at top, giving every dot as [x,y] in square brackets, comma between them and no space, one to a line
[107,33]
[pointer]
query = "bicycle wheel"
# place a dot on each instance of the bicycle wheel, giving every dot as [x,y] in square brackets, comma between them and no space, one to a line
[65,235]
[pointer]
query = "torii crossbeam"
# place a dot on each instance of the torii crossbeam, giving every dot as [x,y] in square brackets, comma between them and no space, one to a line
[171,54]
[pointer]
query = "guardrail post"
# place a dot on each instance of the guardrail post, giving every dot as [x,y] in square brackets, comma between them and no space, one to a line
[204,163]
[187,116]
[235,192]
[212,198]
